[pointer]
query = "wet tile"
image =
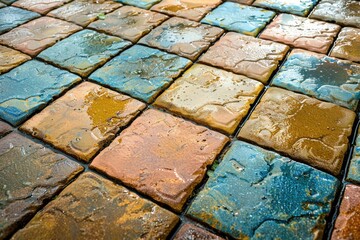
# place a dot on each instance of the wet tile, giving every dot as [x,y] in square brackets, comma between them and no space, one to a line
[211,97]
[344,12]
[320,76]
[299,7]
[83,120]
[35,36]
[301,32]
[278,123]
[146,4]
[347,44]
[190,9]
[239,18]
[246,55]
[129,23]
[84,51]
[348,221]
[11,17]
[189,231]
[141,72]
[29,87]
[161,156]
[83,12]
[40,6]
[354,168]
[258,194]
[4,128]
[10,58]
[30,176]
[95,208]
[183,37]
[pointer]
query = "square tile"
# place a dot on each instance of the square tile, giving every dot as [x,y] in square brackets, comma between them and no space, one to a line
[298,7]
[129,23]
[10,58]
[320,76]
[183,37]
[40,6]
[239,18]
[258,194]
[30,176]
[347,44]
[301,32]
[29,87]
[211,97]
[35,36]
[11,17]
[304,128]
[95,208]
[83,120]
[141,72]
[4,128]
[146,4]
[84,51]
[246,55]
[354,168]
[189,231]
[161,156]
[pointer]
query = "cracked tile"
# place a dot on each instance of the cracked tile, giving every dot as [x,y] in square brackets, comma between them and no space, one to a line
[40,6]
[354,168]
[189,231]
[29,87]
[11,17]
[258,194]
[347,44]
[117,214]
[10,58]
[320,76]
[84,51]
[30,176]
[146,4]
[4,128]
[298,7]
[161,156]
[141,72]
[278,123]
[246,55]
[83,120]
[211,97]
[183,37]
[239,18]
[301,32]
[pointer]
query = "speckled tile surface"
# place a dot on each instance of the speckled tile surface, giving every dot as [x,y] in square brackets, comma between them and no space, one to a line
[298,7]
[190,231]
[40,6]
[11,17]
[10,58]
[146,4]
[347,44]
[354,167]
[4,128]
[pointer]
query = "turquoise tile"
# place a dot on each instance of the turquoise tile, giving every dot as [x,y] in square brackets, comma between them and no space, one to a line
[354,169]
[141,72]
[11,17]
[258,194]
[146,4]
[239,18]
[29,87]
[299,7]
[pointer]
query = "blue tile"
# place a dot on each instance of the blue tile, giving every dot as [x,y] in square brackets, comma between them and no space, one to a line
[11,17]
[299,7]
[354,168]
[146,4]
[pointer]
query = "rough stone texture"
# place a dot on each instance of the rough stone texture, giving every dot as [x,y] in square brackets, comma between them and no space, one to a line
[4,128]
[83,120]
[320,76]
[130,23]
[84,51]
[239,18]
[305,128]
[344,12]
[35,36]
[211,96]
[246,55]
[161,156]
[95,208]
[11,17]
[40,6]
[83,12]
[354,168]
[299,7]
[347,224]
[248,2]
[29,87]
[141,72]
[183,37]
[189,231]
[146,4]
[190,9]
[10,58]
[30,175]
[301,32]
[347,44]
[258,194]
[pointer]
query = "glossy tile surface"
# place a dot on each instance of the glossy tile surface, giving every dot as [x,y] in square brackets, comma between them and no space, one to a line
[11,17]
[190,231]
[298,7]
[347,44]
[146,4]
[10,58]
[354,167]
[40,6]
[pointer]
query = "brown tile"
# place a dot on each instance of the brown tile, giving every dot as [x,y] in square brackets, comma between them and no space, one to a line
[10,58]
[161,156]
[35,36]
[248,2]
[189,231]
[129,23]
[347,44]
[95,208]
[84,119]
[40,6]
[301,32]
[304,128]
[30,175]
[4,128]
[246,55]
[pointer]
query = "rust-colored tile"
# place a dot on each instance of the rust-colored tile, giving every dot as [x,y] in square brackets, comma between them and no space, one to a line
[10,58]
[95,208]
[305,128]
[246,55]
[347,44]
[84,119]
[40,6]
[189,231]
[35,36]
[301,32]
[4,128]
[248,2]
[161,156]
